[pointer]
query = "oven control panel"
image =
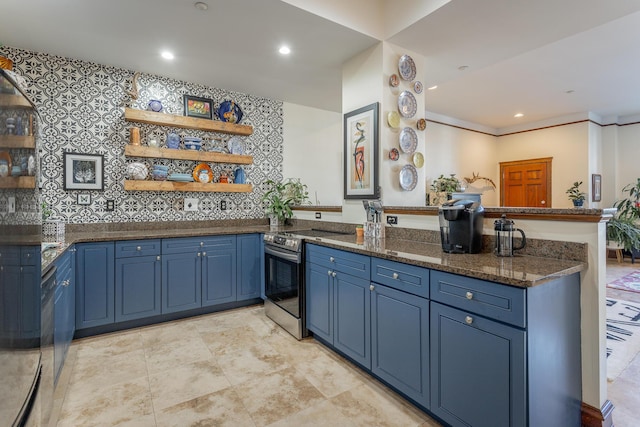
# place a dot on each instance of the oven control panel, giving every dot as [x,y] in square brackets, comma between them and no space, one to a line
[287,242]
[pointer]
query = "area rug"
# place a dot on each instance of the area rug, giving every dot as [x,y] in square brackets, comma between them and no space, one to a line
[630,282]
[623,335]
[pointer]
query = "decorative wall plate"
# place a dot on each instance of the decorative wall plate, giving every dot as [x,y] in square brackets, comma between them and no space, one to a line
[394,81]
[408,140]
[408,177]
[394,154]
[202,173]
[230,112]
[407,104]
[421,124]
[417,86]
[393,118]
[407,68]
[235,145]
[418,160]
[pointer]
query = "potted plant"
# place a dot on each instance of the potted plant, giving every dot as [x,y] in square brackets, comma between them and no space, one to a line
[280,197]
[575,195]
[443,186]
[623,228]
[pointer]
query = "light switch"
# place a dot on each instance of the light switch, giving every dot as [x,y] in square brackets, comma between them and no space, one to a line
[11,204]
[190,204]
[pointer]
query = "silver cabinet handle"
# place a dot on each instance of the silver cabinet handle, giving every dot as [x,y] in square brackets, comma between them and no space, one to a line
[201,244]
[138,248]
[329,272]
[371,287]
[72,250]
[198,253]
[66,283]
[28,255]
[204,254]
[332,259]
[469,295]
[158,258]
[333,274]
[469,320]
[394,275]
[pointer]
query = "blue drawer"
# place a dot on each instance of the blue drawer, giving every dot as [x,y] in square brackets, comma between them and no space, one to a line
[403,277]
[494,300]
[137,248]
[196,244]
[346,262]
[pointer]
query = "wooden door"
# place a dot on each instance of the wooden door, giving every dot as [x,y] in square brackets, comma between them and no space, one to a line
[526,183]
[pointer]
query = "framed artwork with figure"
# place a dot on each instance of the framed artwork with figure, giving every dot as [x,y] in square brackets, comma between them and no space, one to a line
[83,171]
[361,153]
[596,187]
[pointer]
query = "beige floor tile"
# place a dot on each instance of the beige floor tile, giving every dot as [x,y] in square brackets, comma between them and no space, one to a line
[109,406]
[166,333]
[329,375]
[250,362]
[219,409]
[109,345]
[295,351]
[218,322]
[230,340]
[186,382]
[278,395]
[90,373]
[368,405]
[179,351]
[323,414]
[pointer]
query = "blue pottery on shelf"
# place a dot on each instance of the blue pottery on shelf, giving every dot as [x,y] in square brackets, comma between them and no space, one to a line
[239,176]
[173,140]
[155,105]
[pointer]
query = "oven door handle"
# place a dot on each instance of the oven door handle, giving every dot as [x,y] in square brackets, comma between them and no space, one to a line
[286,255]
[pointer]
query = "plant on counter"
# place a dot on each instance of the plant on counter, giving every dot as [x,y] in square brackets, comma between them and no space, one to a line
[623,227]
[446,184]
[281,196]
[575,195]
[629,207]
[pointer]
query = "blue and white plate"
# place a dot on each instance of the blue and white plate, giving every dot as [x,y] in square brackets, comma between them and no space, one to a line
[229,112]
[235,145]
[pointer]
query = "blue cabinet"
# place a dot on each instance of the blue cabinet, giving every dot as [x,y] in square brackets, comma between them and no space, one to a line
[319,301]
[219,270]
[400,341]
[64,308]
[250,268]
[95,290]
[181,282]
[352,305]
[137,282]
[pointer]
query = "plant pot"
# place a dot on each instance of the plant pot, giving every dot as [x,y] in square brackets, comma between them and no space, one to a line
[274,223]
[578,203]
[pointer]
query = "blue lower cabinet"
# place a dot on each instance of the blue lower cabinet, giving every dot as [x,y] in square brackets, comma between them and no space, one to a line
[181,282]
[400,341]
[250,268]
[58,330]
[218,276]
[319,301]
[352,307]
[64,308]
[138,287]
[478,369]
[95,300]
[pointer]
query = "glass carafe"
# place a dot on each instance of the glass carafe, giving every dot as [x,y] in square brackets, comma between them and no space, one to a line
[504,235]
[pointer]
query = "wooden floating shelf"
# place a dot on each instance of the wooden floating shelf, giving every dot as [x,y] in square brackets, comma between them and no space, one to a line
[18,182]
[7,100]
[133,185]
[200,156]
[153,118]
[17,141]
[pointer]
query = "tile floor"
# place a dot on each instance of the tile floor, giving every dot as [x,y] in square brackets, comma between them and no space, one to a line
[235,368]
[624,392]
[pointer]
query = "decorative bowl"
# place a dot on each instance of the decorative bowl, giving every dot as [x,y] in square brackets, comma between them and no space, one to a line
[192,145]
[137,171]
[161,168]
[155,105]
[159,175]
[173,140]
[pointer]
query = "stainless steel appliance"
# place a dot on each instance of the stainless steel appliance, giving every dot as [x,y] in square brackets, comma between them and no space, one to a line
[504,234]
[284,278]
[461,223]
[20,267]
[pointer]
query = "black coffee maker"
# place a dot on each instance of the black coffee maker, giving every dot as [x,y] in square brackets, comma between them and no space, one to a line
[461,223]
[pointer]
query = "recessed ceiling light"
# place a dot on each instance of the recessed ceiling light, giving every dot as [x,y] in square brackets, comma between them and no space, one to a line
[284,50]
[167,55]
[432,87]
[200,5]
[518,115]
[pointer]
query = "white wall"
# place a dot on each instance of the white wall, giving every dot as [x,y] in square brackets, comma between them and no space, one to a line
[628,156]
[596,163]
[569,147]
[313,151]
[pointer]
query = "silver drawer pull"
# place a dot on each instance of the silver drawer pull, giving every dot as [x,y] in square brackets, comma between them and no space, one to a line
[371,287]
[201,244]
[138,248]
[332,259]
[394,275]
[158,258]
[469,320]
[469,295]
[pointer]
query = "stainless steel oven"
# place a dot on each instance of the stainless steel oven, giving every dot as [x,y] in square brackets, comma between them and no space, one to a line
[284,282]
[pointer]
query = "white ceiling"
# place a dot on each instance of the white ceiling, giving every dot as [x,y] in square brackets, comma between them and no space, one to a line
[522,56]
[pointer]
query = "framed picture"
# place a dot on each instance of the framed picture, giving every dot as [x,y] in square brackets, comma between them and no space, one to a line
[201,108]
[361,153]
[84,199]
[83,171]
[596,187]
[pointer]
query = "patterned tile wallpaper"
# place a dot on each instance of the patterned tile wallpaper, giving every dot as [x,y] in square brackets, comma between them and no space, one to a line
[81,106]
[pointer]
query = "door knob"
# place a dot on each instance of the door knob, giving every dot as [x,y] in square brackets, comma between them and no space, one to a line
[542,202]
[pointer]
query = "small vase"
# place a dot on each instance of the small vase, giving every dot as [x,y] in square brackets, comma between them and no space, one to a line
[274,222]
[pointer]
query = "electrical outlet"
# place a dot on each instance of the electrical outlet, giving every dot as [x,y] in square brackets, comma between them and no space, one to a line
[223,205]
[318,215]
[190,204]
[111,205]
[11,204]
[392,219]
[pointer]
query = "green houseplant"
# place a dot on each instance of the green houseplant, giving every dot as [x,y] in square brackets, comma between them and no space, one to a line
[623,227]
[575,195]
[281,196]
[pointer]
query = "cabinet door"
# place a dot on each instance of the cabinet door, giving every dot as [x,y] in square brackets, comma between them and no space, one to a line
[137,287]
[478,370]
[352,308]
[10,296]
[218,276]
[58,330]
[319,299]
[400,341]
[30,302]
[181,281]
[249,274]
[95,298]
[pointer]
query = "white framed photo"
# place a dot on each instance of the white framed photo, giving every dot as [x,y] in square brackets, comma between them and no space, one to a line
[84,199]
